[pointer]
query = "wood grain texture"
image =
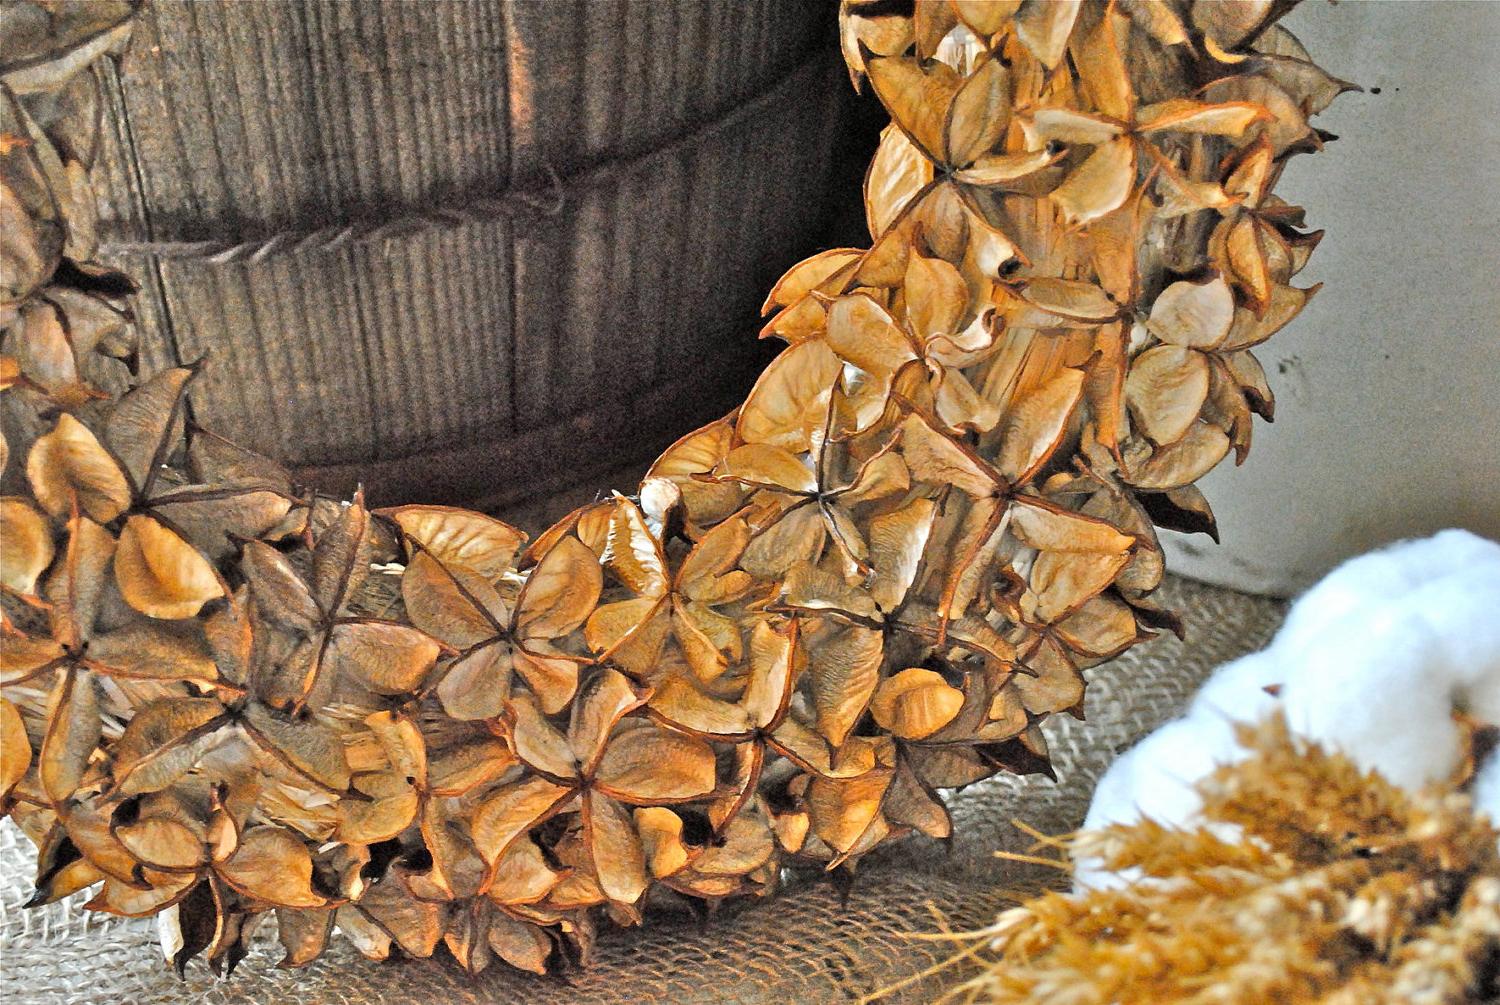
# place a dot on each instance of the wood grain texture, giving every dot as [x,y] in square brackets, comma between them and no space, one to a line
[240,119]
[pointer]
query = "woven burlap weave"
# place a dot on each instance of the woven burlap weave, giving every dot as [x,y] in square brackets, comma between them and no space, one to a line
[803,946]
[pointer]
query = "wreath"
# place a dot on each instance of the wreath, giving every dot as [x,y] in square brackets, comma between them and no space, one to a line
[227,696]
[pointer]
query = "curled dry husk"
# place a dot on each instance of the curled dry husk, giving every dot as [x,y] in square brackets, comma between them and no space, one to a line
[226,697]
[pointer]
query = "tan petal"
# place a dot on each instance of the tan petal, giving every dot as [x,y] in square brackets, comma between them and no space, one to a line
[279,591]
[978,115]
[76,586]
[1050,528]
[1036,424]
[522,875]
[1197,315]
[274,866]
[25,544]
[939,460]
[897,174]
[1043,26]
[160,574]
[376,820]
[15,747]
[1182,115]
[790,399]
[458,770]
[385,657]
[69,462]
[810,587]
[140,427]
[162,843]
[457,537]
[842,673]
[512,811]
[937,298]
[1063,580]
[1066,300]
[705,574]
[1056,685]
[798,536]
[538,742]
[451,603]
[1183,462]
[1070,126]
[660,831]
[1099,58]
[1165,389]
[1102,627]
[341,557]
[709,640]
[477,683]
[523,946]
[1284,304]
[897,542]
[863,333]
[998,169]
[916,96]
[633,552]
[305,745]
[561,591]
[74,729]
[164,889]
[765,466]
[604,700]
[612,625]
[1099,185]
[619,859]
[552,677]
[22,657]
[159,744]
[773,665]
[843,809]
[648,764]
[915,703]
[696,453]
[679,701]
[808,275]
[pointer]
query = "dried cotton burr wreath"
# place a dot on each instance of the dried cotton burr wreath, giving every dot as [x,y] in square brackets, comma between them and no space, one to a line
[228,698]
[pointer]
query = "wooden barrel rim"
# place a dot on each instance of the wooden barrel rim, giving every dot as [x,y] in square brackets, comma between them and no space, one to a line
[525,201]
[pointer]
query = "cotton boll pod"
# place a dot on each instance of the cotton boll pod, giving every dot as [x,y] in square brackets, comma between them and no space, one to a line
[1157,780]
[1352,689]
[1237,690]
[1384,574]
[1463,611]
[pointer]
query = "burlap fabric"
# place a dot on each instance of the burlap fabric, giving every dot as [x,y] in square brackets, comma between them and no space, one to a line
[803,946]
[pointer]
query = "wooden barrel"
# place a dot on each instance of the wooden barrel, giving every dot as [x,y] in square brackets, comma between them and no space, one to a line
[641,172]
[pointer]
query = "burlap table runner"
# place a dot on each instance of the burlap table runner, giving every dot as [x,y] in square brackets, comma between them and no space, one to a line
[803,946]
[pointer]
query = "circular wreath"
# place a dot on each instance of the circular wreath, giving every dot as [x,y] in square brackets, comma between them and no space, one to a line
[226,696]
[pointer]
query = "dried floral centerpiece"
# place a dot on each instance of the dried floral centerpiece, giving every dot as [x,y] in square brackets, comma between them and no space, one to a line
[228,698]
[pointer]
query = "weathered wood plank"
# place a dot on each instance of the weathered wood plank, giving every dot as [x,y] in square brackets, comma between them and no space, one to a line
[238,120]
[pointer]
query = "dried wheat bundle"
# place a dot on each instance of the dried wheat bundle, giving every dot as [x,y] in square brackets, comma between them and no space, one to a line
[1309,880]
[226,697]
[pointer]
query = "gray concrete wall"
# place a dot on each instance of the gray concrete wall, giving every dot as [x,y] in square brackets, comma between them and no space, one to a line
[1388,385]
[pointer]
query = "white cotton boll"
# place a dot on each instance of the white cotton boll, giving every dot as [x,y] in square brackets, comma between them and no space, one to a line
[1385,574]
[1237,690]
[1156,779]
[1378,688]
[1463,611]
